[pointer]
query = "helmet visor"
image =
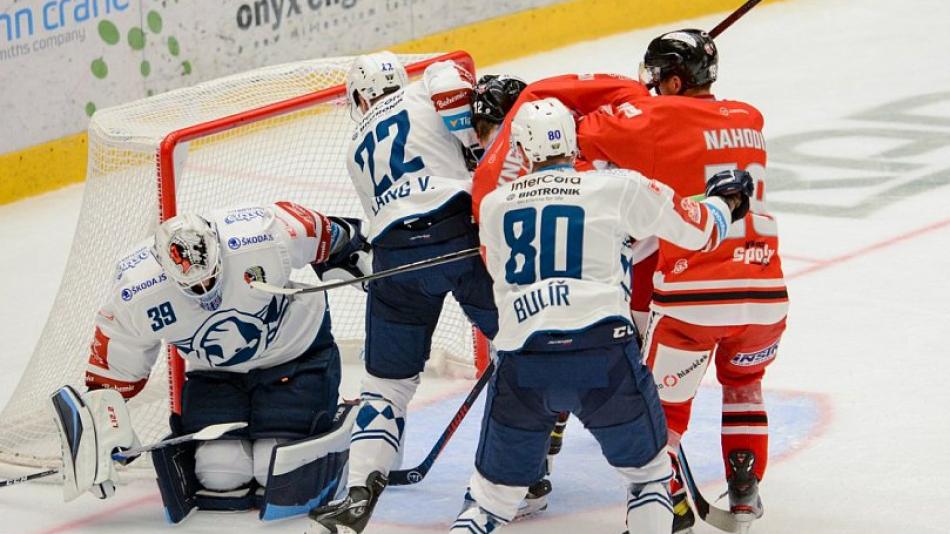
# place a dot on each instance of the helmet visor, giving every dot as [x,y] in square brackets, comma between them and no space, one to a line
[650,76]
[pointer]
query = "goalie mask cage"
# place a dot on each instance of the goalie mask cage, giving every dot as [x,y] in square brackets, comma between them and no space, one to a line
[275,133]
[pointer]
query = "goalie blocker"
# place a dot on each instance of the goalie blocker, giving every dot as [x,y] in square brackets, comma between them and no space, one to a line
[302,474]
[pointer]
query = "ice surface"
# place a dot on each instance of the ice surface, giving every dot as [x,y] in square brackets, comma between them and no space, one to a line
[856,96]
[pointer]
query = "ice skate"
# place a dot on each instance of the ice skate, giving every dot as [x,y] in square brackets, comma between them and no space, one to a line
[536,501]
[351,514]
[744,501]
[683,516]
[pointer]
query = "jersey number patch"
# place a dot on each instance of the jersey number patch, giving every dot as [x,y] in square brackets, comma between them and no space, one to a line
[561,243]
[161,316]
[398,166]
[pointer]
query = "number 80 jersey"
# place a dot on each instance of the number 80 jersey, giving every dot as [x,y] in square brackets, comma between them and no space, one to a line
[558,245]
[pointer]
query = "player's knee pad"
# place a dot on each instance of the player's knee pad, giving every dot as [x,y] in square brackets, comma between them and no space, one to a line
[678,372]
[397,392]
[658,469]
[224,465]
[499,500]
[649,508]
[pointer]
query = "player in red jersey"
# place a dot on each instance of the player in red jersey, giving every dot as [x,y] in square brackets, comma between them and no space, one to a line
[728,305]
[581,93]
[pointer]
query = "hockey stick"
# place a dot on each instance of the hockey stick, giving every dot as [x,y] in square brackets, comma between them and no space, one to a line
[205,434]
[734,16]
[405,477]
[431,262]
[717,517]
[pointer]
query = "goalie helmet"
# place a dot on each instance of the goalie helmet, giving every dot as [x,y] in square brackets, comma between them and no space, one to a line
[375,75]
[494,96]
[187,249]
[689,54]
[544,129]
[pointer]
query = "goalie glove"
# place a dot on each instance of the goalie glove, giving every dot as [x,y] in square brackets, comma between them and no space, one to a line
[91,427]
[351,258]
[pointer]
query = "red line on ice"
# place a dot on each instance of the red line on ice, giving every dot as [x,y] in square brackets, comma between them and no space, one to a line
[90,519]
[824,264]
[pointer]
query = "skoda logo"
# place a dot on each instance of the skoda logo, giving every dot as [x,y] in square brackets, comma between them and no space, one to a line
[126,294]
[234,243]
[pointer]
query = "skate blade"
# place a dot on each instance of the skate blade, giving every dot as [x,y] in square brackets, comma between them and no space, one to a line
[317,528]
[744,522]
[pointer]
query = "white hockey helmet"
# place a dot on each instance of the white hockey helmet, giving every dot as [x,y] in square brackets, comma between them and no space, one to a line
[374,75]
[544,129]
[187,248]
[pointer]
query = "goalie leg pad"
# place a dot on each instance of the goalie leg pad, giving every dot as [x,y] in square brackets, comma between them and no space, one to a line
[91,427]
[181,490]
[177,482]
[308,473]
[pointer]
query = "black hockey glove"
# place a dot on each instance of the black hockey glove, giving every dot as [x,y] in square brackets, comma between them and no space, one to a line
[732,183]
[353,260]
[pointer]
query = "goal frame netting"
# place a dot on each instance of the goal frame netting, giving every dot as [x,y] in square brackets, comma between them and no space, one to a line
[32,450]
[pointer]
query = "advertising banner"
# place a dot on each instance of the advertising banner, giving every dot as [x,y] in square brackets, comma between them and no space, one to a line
[60,60]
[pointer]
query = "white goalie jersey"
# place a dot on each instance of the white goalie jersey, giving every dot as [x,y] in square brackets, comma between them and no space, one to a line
[558,245]
[249,329]
[406,155]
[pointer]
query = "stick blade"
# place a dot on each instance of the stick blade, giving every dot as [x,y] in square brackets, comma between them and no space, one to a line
[216,431]
[276,290]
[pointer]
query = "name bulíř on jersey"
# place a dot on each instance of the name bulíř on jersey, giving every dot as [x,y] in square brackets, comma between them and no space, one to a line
[555,294]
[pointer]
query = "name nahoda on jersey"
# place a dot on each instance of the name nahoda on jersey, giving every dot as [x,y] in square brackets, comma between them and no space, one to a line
[401,190]
[556,293]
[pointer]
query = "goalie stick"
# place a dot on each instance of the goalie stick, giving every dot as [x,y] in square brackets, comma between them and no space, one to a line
[431,262]
[717,517]
[205,434]
[405,477]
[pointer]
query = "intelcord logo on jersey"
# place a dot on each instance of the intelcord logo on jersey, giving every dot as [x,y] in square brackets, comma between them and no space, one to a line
[234,243]
[131,261]
[546,179]
[245,214]
[750,359]
[132,290]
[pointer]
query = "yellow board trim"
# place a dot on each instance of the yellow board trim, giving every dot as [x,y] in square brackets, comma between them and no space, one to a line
[48,166]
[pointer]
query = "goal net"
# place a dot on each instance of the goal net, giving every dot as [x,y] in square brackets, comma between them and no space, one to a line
[276,133]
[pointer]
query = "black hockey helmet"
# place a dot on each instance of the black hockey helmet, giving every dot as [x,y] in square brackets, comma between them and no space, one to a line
[494,96]
[690,54]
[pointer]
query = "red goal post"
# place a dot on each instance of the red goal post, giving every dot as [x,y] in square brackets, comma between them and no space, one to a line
[274,133]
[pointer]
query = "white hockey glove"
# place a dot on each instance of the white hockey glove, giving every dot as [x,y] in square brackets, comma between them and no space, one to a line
[91,427]
[353,260]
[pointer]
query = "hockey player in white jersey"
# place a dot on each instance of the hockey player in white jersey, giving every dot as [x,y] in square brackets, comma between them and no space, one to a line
[409,159]
[557,245]
[267,360]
